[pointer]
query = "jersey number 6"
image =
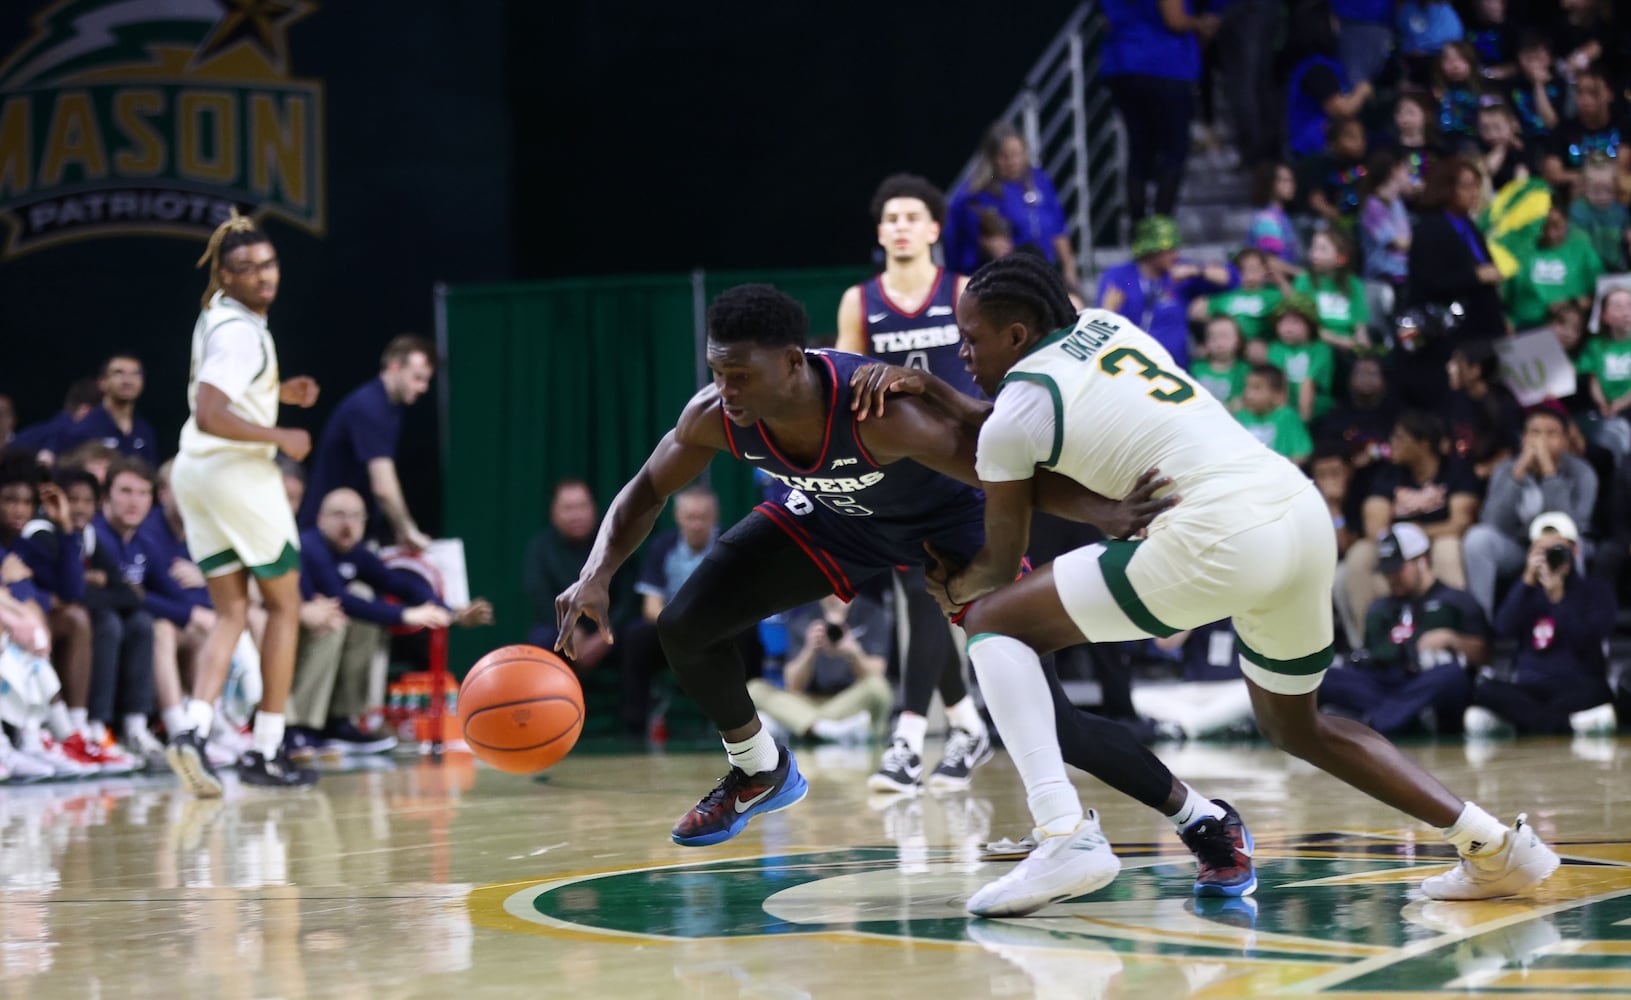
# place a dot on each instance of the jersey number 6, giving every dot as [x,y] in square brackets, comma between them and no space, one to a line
[1150,372]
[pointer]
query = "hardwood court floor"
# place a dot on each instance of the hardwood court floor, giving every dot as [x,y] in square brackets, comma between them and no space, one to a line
[421,880]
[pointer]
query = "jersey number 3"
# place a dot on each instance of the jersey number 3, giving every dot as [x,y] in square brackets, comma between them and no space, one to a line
[1149,371]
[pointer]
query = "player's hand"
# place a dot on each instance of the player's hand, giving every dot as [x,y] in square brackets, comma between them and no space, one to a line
[55,503]
[427,616]
[939,574]
[871,383]
[298,391]
[294,442]
[186,574]
[477,612]
[584,599]
[1134,512]
[414,540]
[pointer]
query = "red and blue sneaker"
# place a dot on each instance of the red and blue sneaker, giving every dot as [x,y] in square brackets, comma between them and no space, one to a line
[1223,849]
[739,797]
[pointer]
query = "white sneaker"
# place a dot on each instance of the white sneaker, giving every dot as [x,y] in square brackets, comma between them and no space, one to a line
[1594,721]
[1063,866]
[1521,863]
[1480,721]
[23,768]
[1008,848]
[46,752]
[146,748]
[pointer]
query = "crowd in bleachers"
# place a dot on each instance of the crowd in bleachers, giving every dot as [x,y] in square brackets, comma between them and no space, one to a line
[103,609]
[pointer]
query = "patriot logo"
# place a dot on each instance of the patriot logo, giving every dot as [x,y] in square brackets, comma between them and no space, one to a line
[156,117]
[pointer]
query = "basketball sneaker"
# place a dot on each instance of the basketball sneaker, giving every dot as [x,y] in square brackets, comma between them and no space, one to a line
[145,748]
[343,736]
[1063,866]
[1223,850]
[899,771]
[255,768]
[1519,864]
[964,752]
[1007,848]
[739,797]
[189,760]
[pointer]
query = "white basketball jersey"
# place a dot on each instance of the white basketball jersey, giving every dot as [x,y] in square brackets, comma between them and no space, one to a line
[257,401]
[1123,406]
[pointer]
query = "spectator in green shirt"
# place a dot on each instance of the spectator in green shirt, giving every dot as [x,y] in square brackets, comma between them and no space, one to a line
[1337,293]
[1251,304]
[1309,363]
[1563,266]
[1219,369]
[1265,414]
[1606,360]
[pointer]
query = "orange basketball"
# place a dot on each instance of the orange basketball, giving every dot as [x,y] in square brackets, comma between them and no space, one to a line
[521,708]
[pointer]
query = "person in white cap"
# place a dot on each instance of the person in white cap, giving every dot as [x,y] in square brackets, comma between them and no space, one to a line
[1419,641]
[1542,477]
[1560,620]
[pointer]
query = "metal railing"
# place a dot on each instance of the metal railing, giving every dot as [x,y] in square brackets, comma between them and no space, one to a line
[1065,115]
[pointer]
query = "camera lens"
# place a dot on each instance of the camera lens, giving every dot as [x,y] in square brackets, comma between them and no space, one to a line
[1558,556]
[834,632]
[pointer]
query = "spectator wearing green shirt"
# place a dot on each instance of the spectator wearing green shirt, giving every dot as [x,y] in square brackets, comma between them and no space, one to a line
[1309,363]
[1265,414]
[1337,293]
[1252,303]
[1606,358]
[1219,369]
[1563,265]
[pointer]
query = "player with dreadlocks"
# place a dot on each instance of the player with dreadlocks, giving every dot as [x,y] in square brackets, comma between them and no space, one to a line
[1099,401]
[237,516]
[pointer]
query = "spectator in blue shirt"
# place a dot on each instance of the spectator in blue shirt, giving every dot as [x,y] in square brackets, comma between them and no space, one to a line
[1425,27]
[358,448]
[1154,289]
[115,423]
[179,625]
[1560,621]
[1364,36]
[335,655]
[1009,203]
[45,439]
[670,560]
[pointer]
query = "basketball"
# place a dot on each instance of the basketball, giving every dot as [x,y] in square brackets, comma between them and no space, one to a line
[521,709]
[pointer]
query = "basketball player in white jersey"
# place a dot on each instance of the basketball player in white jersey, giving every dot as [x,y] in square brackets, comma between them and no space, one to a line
[230,492]
[906,316]
[1098,400]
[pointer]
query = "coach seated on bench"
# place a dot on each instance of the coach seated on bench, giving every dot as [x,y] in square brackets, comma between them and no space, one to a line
[345,586]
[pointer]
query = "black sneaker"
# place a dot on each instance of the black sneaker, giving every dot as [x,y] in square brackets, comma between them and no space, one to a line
[279,772]
[343,735]
[302,743]
[1223,848]
[899,771]
[964,752]
[186,757]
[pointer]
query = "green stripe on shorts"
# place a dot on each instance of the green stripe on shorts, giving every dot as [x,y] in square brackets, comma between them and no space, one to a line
[287,561]
[1302,666]
[210,564]
[979,638]
[1113,564]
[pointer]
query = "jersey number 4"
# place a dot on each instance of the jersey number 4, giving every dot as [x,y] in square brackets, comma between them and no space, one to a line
[1149,371]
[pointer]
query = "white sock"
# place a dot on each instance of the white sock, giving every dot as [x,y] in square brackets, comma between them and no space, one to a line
[912,727]
[1195,808]
[1016,693]
[135,725]
[756,754]
[28,736]
[268,733]
[1475,832]
[176,720]
[58,721]
[200,715]
[80,719]
[966,717]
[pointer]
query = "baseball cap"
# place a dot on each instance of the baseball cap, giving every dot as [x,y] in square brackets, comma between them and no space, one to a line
[1400,545]
[1554,520]
[1153,234]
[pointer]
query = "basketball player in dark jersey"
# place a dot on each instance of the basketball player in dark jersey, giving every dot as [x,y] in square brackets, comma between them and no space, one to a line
[906,316]
[858,499]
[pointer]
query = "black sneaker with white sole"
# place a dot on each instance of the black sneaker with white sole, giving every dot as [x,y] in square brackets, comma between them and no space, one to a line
[964,752]
[900,770]
[276,772]
[186,757]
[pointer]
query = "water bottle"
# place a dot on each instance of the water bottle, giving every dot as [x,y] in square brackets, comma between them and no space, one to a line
[773,639]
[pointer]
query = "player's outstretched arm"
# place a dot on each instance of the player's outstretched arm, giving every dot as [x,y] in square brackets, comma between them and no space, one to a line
[873,383]
[679,457]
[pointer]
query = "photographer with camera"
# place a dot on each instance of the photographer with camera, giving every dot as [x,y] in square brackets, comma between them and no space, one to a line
[1561,619]
[835,687]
